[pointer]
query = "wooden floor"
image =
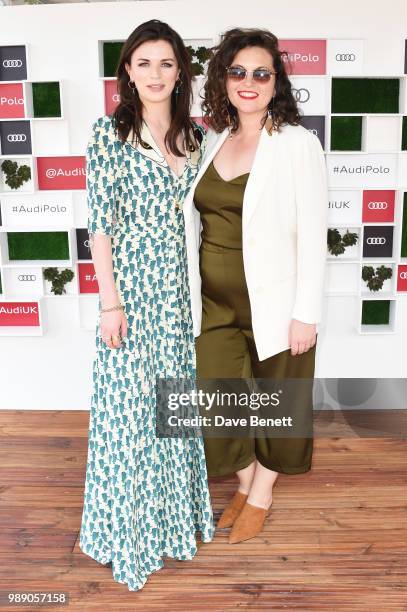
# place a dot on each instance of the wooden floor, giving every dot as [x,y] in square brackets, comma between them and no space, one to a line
[336,539]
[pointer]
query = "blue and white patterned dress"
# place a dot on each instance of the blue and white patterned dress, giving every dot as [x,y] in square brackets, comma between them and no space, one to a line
[145,497]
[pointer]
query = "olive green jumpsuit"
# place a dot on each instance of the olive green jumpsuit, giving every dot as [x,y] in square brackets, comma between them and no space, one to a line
[226,348]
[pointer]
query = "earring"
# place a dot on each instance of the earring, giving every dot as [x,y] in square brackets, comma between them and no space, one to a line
[177,89]
[269,123]
[133,89]
[226,114]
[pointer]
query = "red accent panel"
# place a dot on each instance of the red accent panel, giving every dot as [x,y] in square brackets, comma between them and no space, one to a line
[61,172]
[112,98]
[306,56]
[87,278]
[11,101]
[402,278]
[378,205]
[19,314]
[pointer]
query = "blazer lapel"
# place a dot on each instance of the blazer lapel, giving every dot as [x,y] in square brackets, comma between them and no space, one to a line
[262,172]
[212,150]
[208,157]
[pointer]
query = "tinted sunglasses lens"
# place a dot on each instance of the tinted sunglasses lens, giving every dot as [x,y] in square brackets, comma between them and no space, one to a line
[238,74]
[261,75]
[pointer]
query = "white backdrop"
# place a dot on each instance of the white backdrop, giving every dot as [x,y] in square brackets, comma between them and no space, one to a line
[53,371]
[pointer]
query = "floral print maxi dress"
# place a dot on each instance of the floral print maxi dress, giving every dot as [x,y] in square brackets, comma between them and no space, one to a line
[145,497]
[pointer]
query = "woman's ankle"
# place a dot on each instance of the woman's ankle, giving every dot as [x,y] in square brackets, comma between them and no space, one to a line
[243,490]
[261,501]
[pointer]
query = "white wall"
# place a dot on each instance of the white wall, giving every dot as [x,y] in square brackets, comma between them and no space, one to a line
[54,371]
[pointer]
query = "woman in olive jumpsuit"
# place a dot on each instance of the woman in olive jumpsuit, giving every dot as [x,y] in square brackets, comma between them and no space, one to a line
[225,346]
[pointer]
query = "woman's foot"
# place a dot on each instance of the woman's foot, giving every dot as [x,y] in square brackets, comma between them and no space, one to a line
[232,510]
[249,523]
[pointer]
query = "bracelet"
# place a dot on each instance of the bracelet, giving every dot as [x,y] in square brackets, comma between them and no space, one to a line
[118,307]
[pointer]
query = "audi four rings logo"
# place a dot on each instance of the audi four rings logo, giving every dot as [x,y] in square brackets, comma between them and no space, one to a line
[376,240]
[12,63]
[377,205]
[301,95]
[16,137]
[403,275]
[345,57]
[27,277]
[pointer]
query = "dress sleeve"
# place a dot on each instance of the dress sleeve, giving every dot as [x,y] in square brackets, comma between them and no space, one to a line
[100,180]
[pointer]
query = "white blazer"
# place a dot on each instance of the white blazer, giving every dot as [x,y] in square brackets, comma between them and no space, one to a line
[284,234]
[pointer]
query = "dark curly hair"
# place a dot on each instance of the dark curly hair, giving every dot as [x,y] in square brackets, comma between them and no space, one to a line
[218,111]
[128,113]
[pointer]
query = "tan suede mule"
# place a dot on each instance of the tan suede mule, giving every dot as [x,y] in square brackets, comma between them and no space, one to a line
[232,510]
[249,523]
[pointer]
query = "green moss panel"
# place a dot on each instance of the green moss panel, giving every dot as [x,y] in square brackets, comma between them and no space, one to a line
[346,133]
[37,245]
[404,134]
[111,55]
[375,312]
[365,95]
[46,99]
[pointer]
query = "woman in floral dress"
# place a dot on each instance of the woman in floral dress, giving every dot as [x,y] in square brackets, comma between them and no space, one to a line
[145,497]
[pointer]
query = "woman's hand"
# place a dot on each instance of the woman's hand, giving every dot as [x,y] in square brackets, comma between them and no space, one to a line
[113,323]
[301,336]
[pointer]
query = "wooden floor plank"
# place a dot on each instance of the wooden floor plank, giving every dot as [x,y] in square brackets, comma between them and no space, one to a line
[336,538]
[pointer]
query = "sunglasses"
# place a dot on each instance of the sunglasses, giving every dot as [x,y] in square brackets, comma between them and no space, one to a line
[261,75]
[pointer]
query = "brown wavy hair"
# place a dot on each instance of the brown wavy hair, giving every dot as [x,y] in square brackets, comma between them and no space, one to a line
[128,113]
[218,111]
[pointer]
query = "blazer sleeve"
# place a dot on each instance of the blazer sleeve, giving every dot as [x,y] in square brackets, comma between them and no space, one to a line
[311,193]
[100,179]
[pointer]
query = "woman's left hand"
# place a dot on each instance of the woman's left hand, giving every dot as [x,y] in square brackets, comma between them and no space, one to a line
[301,336]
